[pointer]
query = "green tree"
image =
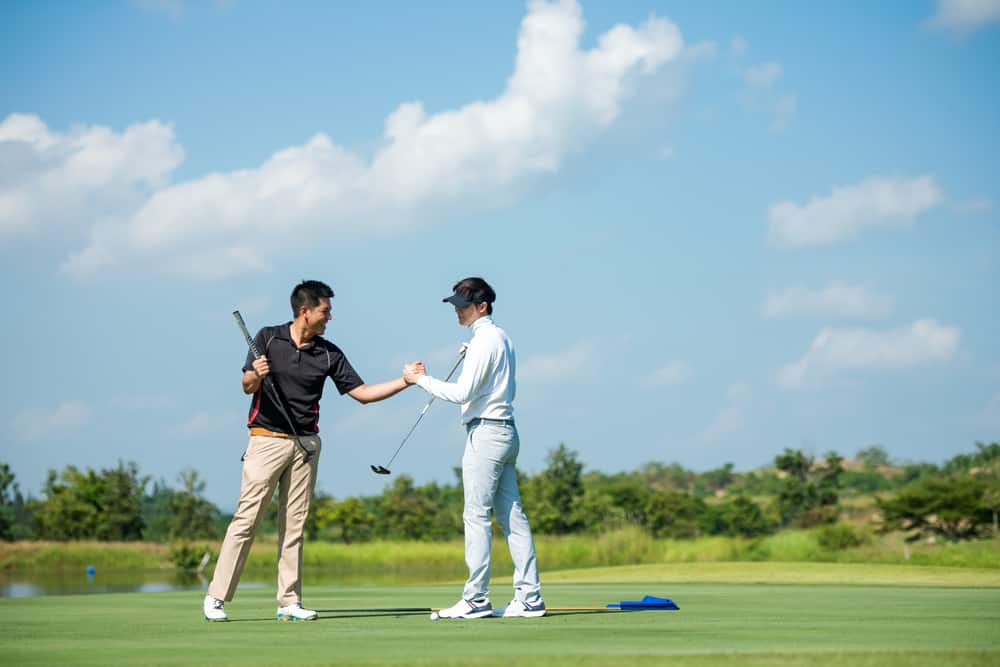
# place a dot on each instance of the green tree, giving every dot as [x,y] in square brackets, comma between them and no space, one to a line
[90,505]
[950,507]
[9,494]
[873,457]
[191,516]
[672,513]
[347,520]
[740,516]
[809,492]
[555,493]
[719,478]
[406,512]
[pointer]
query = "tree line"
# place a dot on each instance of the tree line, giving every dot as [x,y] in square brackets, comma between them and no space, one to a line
[959,499]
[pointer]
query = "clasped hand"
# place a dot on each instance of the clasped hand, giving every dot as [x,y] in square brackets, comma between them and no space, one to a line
[411,372]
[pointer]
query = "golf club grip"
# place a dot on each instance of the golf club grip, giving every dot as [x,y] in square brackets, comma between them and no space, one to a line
[246,334]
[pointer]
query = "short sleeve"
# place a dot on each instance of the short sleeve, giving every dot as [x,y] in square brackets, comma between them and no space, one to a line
[342,373]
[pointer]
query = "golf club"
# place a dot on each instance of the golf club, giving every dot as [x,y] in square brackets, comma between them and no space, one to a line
[269,386]
[384,470]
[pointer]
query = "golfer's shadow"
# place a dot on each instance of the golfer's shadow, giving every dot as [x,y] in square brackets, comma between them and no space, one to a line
[325,617]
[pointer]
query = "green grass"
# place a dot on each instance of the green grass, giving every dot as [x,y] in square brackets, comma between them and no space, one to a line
[824,622]
[443,560]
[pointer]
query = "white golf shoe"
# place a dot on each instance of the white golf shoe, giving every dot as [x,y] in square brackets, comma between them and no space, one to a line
[516,609]
[295,612]
[215,609]
[468,609]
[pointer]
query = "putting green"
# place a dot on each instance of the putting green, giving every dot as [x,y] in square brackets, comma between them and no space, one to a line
[718,624]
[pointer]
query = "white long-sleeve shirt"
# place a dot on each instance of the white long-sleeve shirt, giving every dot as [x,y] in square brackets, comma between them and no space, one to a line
[486,386]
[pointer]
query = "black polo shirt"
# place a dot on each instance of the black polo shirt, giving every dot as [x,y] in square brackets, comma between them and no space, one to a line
[299,374]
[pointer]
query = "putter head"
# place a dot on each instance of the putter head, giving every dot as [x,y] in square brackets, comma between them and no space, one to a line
[380,470]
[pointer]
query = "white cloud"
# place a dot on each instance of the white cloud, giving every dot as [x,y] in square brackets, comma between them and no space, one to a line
[675,372]
[483,154]
[965,15]
[738,45]
[836,300]
[574,362]
[732,418]
[835,351]
[974,206]
[68,179]
[764,75]
[783,111]
[38,424]
[875,202]
[665,153]
[701,52]
[762,94]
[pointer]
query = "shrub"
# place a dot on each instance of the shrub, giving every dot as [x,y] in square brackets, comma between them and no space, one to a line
[840,536]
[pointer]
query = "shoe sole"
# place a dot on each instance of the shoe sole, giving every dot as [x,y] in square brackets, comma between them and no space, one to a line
[290,618]
[216,620]
[472,615]
[524,614]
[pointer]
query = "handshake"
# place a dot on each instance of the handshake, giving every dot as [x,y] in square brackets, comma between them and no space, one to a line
[411,372]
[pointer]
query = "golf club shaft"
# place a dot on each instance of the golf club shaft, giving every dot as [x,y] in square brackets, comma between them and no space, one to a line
[461,356]
[269,384]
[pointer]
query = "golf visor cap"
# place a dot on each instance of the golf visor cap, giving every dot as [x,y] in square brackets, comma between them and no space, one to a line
[461,300]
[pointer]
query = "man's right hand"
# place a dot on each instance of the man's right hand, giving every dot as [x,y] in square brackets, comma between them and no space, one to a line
[261,367]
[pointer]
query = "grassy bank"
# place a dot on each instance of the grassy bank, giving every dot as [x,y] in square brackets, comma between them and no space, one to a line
[444,559]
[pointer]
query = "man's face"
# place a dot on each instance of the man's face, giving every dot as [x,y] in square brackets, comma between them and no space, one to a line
[469,314]
[315,319]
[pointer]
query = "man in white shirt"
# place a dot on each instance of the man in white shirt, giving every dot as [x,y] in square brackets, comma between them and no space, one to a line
[485,389]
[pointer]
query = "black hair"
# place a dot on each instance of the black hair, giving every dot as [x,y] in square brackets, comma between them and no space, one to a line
[476,290]
[308,293]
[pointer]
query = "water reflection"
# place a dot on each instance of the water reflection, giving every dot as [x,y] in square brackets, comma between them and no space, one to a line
[34,584]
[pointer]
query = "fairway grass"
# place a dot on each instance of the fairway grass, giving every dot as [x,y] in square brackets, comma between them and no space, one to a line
[823,622]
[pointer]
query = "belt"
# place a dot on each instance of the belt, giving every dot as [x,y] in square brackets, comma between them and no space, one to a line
[257,430]
[479,420]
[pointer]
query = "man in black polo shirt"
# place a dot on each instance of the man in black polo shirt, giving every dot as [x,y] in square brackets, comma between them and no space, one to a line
[299,360]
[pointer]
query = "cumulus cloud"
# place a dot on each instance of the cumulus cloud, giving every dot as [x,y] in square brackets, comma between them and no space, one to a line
[50,179]
[38,424]
[738,46]
[558,98]
[836,300]
[848,210]
[675,372]
[573,362]
[763,95]
[965,15]
[836,351]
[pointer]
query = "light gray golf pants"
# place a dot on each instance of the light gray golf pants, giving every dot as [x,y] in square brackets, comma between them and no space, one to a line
[491,484]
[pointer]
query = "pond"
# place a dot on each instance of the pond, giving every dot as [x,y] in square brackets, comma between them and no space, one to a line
[33,584]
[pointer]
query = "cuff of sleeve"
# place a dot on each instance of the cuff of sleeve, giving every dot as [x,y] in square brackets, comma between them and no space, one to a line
[423,381]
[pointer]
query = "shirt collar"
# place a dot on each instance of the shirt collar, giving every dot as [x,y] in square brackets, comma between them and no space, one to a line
[482,321]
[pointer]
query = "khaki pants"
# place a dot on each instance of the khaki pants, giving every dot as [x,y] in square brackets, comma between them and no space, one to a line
[270,462]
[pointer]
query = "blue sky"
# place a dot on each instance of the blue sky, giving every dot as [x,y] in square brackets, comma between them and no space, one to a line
[716,229]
